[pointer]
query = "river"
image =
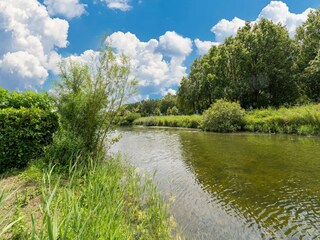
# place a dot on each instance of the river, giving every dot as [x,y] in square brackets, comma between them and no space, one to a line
[232,186]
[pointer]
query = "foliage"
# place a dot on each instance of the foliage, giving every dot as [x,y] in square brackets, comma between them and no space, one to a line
[173,111]
[154,107]
[223,116]
[253,68]
[298,120]
[192,121]
[27,99]
[88,99]
[23,134]
[307,63]
[126,118]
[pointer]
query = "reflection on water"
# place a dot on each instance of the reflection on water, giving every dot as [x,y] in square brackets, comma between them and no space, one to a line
[240,186]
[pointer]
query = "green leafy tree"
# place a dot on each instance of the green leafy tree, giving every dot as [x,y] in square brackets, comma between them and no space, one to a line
[89,98]
[184,100]
[307,70]
[168,101]
[265,58]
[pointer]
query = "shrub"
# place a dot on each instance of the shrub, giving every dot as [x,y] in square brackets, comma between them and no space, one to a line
[126,118]
[23,134]
[223,116]
[26,99]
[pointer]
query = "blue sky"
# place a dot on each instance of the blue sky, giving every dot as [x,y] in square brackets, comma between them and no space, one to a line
[162,37]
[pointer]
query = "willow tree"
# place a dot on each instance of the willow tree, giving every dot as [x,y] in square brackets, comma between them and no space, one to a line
[89,96]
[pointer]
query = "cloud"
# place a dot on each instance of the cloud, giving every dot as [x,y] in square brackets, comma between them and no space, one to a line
[204,46]
[175,45]
[66,8]
[122,5]
[165,92]
[26,66]
[148,58]
[29,41]
[276,11]
[225,28]
[158,65]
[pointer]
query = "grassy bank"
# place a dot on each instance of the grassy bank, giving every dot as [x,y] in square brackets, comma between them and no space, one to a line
[303,120]
[105,201]
[192,121]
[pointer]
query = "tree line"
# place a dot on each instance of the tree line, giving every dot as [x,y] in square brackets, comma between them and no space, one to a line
[259,67]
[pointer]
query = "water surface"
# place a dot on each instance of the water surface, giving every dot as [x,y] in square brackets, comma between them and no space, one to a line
[232,186]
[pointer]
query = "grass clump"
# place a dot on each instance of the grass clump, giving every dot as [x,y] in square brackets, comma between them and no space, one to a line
[304,120]
[184,121]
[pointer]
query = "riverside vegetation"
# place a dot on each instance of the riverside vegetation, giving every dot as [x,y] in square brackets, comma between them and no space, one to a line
[57,182]
[274,77]
[226,116]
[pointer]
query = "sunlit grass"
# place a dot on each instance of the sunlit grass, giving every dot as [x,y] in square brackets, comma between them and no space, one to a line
[108,200]
[303,120]
[184,121]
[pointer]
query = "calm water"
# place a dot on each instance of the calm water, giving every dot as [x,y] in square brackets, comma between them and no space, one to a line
[239,186]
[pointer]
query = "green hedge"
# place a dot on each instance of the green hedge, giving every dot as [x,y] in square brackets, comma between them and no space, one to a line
[23,134]
[26,99]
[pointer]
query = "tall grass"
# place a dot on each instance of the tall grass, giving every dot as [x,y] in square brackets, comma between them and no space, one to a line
[6,212]
[184,121]
[303,120]
[106,200]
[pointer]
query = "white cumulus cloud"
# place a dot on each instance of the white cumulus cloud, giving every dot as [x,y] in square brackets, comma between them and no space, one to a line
[158,64]
[29,38]
[65,8]
[122,5]
[225,28]
[172,44]
[165,92]
[277,11]
[203,47]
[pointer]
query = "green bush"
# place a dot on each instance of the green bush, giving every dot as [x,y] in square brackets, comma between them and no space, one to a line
[223,116]
[127,118]
[23,134]
[26,99]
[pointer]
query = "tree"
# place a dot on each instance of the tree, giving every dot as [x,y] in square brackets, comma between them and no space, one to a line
[89,97]
[253,68]
[184,100]
[168,101]
[265,64]
[308,41]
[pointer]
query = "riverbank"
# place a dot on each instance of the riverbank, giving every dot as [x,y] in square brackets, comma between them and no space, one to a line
[39,202]
[302,120]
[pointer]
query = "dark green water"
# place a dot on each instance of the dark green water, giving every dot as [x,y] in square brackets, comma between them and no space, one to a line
[239,186]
